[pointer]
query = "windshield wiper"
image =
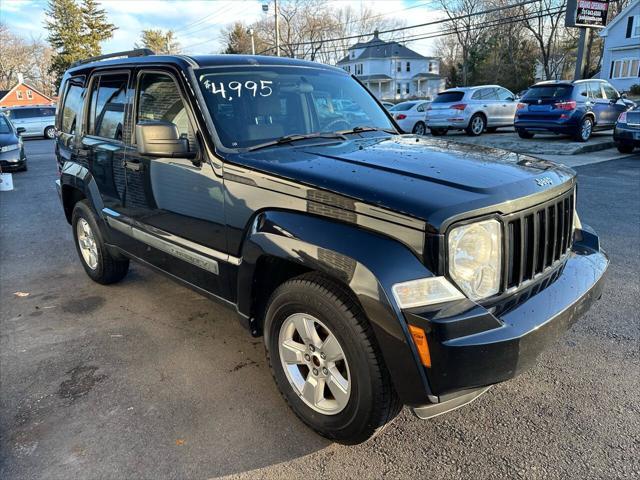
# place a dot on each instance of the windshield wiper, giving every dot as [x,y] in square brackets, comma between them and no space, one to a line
[361,129]
[295,138]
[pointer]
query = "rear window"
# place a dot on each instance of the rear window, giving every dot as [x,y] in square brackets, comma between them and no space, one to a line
[402,107]
[548,91]
[447,97]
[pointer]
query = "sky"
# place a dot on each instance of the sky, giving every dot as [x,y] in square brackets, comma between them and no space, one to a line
[198,23]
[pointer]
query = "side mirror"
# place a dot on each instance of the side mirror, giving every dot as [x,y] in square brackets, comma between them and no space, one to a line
[511,99]
[159,138]
[623,96]
[21,130]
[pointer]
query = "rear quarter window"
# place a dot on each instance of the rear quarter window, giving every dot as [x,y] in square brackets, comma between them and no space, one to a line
[447,97]
[72,107]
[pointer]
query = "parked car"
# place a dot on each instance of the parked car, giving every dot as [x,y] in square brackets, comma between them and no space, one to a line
[575,108]
[12,157]
[36,121]
[387,105]
[380,268]
[472,109]
[411,116]
[627,131]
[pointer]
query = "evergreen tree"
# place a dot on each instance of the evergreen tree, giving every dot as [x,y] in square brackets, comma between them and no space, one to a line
[160,41]
[96,27]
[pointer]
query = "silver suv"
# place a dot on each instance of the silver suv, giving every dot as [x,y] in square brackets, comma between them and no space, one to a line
[472,109]
[37,121]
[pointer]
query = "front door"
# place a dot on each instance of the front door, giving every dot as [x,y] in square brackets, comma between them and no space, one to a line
[600,105]
[177,200]
[616,105]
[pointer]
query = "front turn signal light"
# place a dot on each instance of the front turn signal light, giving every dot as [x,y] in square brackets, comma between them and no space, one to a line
[420,341]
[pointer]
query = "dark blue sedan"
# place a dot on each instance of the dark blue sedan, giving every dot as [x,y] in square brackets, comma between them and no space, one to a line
[573,108]
[12,155]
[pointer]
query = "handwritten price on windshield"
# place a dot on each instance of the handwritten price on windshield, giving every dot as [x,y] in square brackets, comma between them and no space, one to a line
[250,87]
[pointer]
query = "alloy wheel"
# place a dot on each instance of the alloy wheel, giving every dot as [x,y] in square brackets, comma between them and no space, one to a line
[314,363]
[477,125]
[419,129]
[87,243]
[585,130]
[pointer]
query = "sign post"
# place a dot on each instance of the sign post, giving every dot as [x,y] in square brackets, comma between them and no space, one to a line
[585,14]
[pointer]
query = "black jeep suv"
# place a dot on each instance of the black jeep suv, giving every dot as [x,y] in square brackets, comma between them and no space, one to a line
[381,269]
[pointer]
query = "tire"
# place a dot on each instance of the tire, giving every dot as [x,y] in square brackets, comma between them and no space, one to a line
[477,125]
[438,132]
[367,401]
[100,265]
[525,134]
[492,129]
[585,129]
[419,128]
[50,132]
[25,167]
[624,148]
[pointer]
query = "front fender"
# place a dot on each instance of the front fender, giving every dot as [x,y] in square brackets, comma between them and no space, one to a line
[368,262]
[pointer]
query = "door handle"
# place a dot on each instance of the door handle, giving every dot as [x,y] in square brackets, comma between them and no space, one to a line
[133,166]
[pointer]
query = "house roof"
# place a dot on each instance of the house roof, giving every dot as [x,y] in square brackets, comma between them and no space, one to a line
[4,93]
[378,76]
[425,76]
[377,48]
[623,14]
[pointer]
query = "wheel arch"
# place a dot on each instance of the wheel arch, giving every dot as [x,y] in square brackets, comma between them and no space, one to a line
[282,245]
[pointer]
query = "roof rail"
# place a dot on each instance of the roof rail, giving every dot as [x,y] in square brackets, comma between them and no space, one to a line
[140,52]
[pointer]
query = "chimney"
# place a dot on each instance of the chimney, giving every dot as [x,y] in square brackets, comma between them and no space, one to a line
[20,78]
[375,34]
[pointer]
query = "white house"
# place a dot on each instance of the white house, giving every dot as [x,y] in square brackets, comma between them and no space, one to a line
[392,71]
[621,55]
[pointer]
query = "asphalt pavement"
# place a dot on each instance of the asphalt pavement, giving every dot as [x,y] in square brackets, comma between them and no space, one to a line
[146,379]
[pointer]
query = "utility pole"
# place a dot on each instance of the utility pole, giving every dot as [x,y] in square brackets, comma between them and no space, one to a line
[275,7]
[253,42]
[582,50]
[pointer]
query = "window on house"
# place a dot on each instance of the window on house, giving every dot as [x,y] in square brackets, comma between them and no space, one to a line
[408,66]
[29,94]
[430,67]
[358,69]
[398,89]
[19,94]
[398,66]
[406,87]
[635,28]
[625,68]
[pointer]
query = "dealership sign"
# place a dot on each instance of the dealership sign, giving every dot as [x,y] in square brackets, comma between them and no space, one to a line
[587,13]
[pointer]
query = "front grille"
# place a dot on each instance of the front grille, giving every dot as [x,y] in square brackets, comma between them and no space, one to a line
[537,239]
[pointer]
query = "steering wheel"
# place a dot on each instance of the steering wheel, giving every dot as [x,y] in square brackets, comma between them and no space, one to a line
[337,121]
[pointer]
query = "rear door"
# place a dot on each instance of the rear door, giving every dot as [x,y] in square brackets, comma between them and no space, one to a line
[600,105]
[69,122]
[486,99]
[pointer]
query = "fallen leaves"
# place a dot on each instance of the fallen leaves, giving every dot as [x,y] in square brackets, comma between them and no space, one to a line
[21,294]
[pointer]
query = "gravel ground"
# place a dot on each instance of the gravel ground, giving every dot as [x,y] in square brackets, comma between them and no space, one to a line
[145,379]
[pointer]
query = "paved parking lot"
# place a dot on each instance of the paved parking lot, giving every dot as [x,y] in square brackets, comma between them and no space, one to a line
[146,379]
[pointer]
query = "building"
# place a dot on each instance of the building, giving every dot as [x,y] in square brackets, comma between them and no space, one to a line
[621,54]
[23,94]
[392,71]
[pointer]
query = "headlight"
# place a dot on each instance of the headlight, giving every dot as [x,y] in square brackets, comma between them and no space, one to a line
[8,148]
[475,258]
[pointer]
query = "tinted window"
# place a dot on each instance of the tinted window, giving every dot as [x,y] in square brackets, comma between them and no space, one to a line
[23,113]
[72,108]
[447,97]
[108,102]
[581,90]
[594,90]
[159,99]
[47,112]
[402,107]
[4,125]
[256,104]
[504,94]
[548,91]
[610,92]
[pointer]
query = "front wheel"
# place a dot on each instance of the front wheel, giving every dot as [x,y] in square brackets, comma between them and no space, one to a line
[419,128]
[325,360]
[476,126]
[100,265]
[624,148]
[584,130]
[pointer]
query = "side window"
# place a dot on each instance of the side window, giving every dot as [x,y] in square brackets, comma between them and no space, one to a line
[72,109]
[504,94]
[22,113]
[581,90]
[610,92]
[160,99]
[595,91]
[420,107]
[108,105]
[477,95]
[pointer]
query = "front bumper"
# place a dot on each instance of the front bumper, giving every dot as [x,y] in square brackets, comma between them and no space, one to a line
[474,346]
[13,160]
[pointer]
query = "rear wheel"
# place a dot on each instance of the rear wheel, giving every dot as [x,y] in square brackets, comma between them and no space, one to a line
[326,362]
[524,134]
[584,130]
[97,261]
[625,148]
[419,128]
[437,132]
[476,126]
[49,132]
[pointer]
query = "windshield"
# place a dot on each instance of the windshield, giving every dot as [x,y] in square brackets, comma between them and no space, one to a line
[447,97]
[4,125]
[256,104]
[402,107]
[548,91]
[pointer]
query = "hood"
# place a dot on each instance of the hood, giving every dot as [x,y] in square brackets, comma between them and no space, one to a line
[428,179]
[8,139]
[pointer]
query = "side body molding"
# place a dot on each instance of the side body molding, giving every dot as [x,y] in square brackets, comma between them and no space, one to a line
[369,263]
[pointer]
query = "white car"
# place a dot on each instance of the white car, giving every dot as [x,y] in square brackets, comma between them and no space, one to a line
[411,116]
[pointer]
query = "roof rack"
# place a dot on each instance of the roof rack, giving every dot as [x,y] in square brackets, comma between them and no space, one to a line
[140,52]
